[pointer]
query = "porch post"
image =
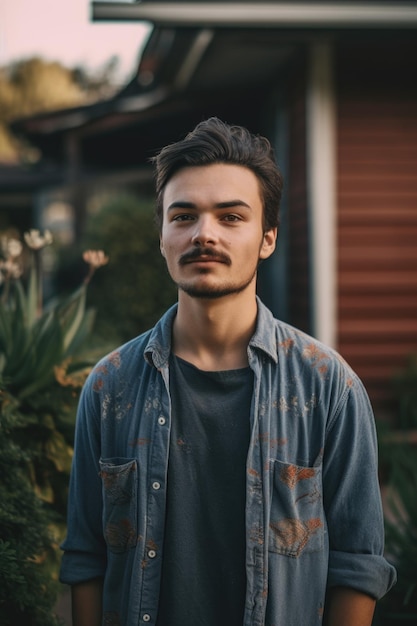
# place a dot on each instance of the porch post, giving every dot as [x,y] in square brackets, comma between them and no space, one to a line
[321,185]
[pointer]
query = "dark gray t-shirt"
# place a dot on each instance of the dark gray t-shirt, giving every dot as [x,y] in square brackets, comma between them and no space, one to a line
[203,575]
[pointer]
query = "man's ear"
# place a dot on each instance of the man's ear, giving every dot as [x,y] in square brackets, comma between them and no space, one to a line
[268,243]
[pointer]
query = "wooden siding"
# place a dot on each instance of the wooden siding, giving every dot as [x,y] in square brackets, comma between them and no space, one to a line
[377,221]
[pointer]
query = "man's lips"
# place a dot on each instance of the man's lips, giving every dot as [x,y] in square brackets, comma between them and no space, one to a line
[204,256]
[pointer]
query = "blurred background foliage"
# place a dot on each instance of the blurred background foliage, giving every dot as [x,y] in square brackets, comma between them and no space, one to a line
[28,588]
[399,606]
[398,463]
[44,359]
[135,289]
[34,85]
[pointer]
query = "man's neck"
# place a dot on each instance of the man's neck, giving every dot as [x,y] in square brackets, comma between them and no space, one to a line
[214,334]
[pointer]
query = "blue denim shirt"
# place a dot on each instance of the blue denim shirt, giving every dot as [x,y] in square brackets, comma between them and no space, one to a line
[313,514]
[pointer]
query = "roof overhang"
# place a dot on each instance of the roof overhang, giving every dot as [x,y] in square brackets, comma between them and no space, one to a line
[262,14]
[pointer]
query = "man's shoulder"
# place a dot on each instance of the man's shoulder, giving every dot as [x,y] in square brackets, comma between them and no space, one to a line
[123,362]
[304,360]
[130,352]
[134,354]
[300,340]
[294,345]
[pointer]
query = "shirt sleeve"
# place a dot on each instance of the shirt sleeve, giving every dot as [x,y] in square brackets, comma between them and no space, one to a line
[352,498]
[84,547]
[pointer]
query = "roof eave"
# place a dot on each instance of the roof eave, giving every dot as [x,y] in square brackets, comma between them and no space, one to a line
[263,14]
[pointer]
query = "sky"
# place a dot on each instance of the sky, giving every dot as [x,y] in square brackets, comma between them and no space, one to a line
[62,30]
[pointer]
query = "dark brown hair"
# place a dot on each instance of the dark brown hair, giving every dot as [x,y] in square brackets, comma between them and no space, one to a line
[214,141]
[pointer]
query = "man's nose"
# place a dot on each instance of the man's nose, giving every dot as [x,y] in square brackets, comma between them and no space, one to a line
[204,232]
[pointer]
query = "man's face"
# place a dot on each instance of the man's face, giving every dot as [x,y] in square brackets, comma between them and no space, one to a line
[212,236]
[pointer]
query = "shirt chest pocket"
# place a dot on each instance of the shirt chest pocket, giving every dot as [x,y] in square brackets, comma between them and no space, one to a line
[119,480]
[296,521]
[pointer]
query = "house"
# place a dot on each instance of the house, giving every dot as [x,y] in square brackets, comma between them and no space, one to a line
[333,85]
[20,190]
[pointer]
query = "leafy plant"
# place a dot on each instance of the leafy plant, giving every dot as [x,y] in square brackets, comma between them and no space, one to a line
[43,365]
[398,455]
[401,539]
[27,591]
[405,386]
[32,340]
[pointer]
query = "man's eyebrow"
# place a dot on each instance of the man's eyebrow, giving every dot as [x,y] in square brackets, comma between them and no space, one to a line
[181,204]
[232,203]
[228,204]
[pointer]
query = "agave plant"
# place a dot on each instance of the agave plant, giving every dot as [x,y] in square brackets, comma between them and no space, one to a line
[41,366]
[34,338]
[40,361]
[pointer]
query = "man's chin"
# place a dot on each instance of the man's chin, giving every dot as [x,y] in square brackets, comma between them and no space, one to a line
[213,293]
[205,294]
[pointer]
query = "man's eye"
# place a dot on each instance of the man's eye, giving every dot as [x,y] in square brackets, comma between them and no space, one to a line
[183,217]
[231,218]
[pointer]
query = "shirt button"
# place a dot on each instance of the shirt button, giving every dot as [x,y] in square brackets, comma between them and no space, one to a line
[151,554]
[156,485]
[161,420]
[146,617]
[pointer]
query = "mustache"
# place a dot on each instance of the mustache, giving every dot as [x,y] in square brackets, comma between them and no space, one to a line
[202,253]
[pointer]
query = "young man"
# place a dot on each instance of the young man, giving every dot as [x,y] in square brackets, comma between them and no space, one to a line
[225,468]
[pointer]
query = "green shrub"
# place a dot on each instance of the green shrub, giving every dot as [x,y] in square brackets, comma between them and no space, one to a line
[398,460]
[27,590]
[405,388]
[400,605]
[136,288]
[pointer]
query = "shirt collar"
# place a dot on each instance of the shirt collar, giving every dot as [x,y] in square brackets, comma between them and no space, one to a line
[264,337]
[158,348]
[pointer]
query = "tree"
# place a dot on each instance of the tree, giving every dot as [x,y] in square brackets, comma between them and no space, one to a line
[35,86]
